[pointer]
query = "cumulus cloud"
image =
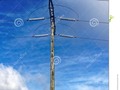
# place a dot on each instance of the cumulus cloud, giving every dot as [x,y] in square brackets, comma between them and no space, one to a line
[10,79]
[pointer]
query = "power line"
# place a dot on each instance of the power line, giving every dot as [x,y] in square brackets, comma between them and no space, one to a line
[53,34]
[68,8]
[61,35]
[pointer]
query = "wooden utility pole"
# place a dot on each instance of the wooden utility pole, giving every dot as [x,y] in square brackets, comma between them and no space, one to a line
[53,33]
[52,66]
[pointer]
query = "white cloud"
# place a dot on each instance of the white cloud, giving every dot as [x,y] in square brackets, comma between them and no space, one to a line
[10,79]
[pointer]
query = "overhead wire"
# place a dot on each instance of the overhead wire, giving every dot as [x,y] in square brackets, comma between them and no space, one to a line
[61,24]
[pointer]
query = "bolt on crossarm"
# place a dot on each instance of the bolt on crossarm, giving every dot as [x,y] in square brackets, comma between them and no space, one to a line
[53,27]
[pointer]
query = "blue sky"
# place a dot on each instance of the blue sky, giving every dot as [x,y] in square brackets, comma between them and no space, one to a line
[84,62]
